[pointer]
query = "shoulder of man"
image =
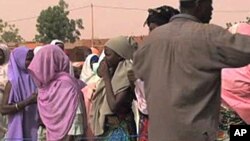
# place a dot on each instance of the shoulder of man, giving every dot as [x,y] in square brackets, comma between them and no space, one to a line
[212,28]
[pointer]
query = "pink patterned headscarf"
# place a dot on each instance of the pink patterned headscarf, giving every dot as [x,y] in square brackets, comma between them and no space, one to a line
[58,91]
[235,91]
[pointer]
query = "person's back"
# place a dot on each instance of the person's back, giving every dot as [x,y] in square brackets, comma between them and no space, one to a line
[184,59]
[182,77]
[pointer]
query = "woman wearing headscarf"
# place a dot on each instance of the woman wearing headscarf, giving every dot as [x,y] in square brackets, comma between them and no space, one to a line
[19,100]
[90,78]
[156,17]
[87,74]
[112,116]
[61,45]
[4,58]
[235,93]
[59,99]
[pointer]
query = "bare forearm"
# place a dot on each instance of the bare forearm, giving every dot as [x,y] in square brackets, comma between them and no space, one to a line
[15,107]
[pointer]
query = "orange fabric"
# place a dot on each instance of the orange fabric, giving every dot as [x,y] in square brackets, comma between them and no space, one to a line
[95,51]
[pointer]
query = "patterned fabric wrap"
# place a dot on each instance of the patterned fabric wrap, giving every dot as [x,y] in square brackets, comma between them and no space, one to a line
[227,118]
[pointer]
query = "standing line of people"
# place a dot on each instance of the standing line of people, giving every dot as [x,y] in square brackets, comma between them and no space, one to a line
[91,78]
[178,76]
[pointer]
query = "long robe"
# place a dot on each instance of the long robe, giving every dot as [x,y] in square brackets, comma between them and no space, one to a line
[180,64]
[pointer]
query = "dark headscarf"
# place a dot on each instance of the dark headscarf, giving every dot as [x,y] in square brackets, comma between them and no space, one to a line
[160,15]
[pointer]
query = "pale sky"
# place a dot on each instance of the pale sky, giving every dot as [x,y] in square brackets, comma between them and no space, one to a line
[110,22]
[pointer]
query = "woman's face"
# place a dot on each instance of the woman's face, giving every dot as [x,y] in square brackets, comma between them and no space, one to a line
[112,57]
[29,57]
[2,57]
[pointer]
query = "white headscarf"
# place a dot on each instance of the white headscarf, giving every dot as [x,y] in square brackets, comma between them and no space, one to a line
[37,49]
[3,68]
[96,65]
[87,73]
[56,41]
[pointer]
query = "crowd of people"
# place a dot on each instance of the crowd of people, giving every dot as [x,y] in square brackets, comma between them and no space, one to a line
[188,81]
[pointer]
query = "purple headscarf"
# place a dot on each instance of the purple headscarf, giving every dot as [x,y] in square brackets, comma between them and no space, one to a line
[58,91]
[21,125]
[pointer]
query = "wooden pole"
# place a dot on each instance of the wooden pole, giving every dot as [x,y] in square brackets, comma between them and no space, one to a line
[92,22]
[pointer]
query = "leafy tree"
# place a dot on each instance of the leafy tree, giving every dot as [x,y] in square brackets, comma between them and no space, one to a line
[53,23]
[9,33]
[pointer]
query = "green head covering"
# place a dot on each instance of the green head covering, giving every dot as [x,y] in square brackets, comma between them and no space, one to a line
[123,46]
